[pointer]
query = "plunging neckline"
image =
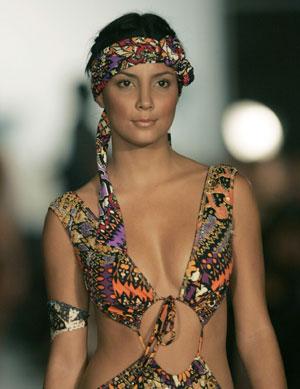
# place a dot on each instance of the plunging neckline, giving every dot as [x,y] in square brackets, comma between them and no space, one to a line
[199,221]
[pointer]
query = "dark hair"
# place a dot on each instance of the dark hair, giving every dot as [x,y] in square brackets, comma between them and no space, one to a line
[127,26]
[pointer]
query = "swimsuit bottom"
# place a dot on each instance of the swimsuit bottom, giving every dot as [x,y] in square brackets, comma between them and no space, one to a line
[147,374]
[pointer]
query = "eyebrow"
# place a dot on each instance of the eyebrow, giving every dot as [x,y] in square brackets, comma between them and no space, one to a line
[154,75]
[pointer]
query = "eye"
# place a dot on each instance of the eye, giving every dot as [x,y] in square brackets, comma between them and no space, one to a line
[164,83]
[124,83]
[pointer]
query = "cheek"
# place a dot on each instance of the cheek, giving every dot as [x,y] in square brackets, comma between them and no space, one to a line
[168,106]
[117,109]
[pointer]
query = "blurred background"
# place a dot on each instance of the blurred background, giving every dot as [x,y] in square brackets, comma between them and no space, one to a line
[241,109]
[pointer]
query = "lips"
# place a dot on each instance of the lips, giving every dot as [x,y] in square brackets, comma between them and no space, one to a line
[144,122]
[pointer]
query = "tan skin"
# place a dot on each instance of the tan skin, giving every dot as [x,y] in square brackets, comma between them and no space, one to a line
[148,178]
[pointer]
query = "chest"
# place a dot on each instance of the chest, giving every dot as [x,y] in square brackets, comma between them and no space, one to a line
[160,229]
[157,243]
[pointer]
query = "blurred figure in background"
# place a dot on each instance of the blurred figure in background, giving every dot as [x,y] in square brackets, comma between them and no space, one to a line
[282,252]
[17,368]
[14,272]
[81,166]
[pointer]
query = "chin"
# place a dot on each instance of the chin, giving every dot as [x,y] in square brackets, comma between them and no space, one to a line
[144,140]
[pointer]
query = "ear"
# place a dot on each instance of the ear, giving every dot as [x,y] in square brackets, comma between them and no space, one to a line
[100,100]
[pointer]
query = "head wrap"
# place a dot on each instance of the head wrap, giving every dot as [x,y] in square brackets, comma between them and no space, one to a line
[136,50]
[118,56]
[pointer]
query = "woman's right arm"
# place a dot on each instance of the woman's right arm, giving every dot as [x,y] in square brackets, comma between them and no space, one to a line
[64,282]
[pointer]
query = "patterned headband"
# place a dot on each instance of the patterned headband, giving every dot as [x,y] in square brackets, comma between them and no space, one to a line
[136,50]
[114,58]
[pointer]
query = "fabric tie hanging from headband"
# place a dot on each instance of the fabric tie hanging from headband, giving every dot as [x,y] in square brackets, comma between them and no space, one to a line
[114,58]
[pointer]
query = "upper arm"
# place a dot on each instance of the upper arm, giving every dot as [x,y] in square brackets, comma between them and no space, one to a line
[64,283]
[248,282]
[63,274]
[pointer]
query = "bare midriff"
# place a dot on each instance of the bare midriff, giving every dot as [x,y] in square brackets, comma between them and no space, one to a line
[119,346]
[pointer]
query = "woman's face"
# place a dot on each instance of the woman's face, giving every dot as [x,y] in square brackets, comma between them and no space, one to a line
[141,102]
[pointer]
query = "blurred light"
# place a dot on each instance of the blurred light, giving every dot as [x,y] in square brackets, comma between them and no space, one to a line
[251,131]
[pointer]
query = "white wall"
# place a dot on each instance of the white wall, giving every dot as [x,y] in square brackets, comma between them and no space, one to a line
[44,48]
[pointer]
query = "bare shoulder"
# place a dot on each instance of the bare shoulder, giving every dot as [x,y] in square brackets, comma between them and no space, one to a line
[245,207]
[242,182]
[243,190]
[61,265]
[60,212]
[54,232]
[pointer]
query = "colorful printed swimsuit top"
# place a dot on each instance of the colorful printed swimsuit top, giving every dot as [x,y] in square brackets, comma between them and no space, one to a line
[120,290]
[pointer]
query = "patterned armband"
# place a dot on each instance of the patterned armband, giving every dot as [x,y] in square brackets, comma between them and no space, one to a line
[64,317]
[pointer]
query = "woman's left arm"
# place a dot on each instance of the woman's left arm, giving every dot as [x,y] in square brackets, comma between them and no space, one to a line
[256,339]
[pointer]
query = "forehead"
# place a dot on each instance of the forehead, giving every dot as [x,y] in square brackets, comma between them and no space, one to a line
[149,69]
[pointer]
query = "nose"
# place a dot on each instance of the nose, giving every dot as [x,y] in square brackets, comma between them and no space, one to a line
[144,99]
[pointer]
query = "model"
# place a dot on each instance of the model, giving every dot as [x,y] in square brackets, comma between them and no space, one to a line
[154,241]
